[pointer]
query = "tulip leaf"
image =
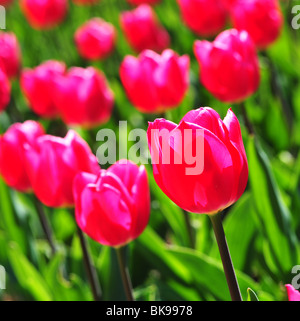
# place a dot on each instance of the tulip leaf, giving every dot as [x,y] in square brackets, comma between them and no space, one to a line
[272,213]
[251,295]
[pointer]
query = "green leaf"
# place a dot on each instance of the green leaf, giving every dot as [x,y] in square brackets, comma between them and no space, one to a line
[251,295]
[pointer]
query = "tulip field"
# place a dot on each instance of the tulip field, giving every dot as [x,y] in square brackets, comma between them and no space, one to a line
[150,150]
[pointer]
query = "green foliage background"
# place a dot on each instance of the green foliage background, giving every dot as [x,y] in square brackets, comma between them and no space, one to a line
[262,228]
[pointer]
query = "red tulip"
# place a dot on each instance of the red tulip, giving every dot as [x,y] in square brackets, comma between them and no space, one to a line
[12,153]
[293,295]
[83,97]
[204,17]
[52,165]
[154,82]
[113,208]
[5,90]
[95,39]
[201,163]
[138,2]
[10,54]
[38,86]
[229,66]
[85,2]
[143,30]
[44,14]
[6,3]
[262,19]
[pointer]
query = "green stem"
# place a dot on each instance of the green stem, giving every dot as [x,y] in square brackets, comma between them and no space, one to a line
[247,121]
[45,224]
[90,269]
[226,258]
[125,274]
[189,228]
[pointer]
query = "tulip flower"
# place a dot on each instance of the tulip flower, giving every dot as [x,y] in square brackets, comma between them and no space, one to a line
[229,66]
[262,19]
[10,54]
[5,90]
[83,97]
[293,294]
[204,17]
[44,14]
[38,86]
[12,153]
[153,82]
[95,39]
[53,162]
[216,177]
[138,2]
[113,207]
[143,30]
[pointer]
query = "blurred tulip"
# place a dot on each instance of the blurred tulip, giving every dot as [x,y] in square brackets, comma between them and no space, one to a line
[138,2]
[44,14]
[153,82]
[5,90]
[229,66]
[204,17]
[143,30]
[95,39]
[85,2]
[10,54]
[6,3]
[83,97]
[262,19]
[12,153]
[113,208]
[215,176]
[38,86]
[293,294]
[52,165]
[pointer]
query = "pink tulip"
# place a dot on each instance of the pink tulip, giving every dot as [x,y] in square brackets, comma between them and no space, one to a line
[204,17]
[10,54]
[38,86]
[95,39]
[153,82]
[5,90]
[138,2]
[143,30]
[113,207]
[293,294]
[44,14]
[200,164]
[12,153]
[229,66]
[262,19]
[83,97]
[52,165]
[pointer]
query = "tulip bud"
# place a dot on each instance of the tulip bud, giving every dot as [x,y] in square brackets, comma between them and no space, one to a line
[83,97]
[262,19]
[229,66]
[12,153]
[153,82]
[5,90]
[204,17]
[95,39]
[10,54]
[38,86]
[53,163]
[293,294]
[113,208]
[44,14]
[200,164]
[143,30]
